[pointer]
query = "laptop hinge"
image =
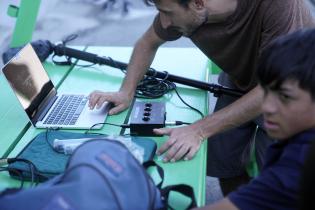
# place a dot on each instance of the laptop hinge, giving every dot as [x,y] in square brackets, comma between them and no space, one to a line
[45,105]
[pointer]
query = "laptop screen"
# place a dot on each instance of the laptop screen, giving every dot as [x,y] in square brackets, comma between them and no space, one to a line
[28,79]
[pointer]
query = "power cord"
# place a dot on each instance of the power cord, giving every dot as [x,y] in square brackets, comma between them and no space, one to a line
[14,171]
[167,123]
[122,126]
[47,139]
[32,169]
[175,123]
[193,108]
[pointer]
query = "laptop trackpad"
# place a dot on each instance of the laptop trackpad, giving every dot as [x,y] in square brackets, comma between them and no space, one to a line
[91,117]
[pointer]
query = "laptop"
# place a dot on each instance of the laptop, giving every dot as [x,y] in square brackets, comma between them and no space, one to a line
[39,98]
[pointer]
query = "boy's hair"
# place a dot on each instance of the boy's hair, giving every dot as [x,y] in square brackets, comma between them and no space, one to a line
[289,57]
[181,2]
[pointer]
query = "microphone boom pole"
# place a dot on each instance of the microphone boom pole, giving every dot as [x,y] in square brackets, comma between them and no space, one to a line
[217,90]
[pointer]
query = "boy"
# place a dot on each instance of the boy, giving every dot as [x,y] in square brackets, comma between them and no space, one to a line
[286,75]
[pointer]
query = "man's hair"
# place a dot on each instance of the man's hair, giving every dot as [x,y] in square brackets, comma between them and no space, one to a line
[181,2]
[289,57]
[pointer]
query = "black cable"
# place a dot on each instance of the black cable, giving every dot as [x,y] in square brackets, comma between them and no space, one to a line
[63,43]
[47,140]
[32,168]
[68,61]
[193,108]
[122,126]
[184,123]
[29,163]
[152,87]
[176,123]
[12,170]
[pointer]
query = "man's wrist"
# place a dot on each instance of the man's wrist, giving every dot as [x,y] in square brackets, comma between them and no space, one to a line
[200,131]
[206,127]
[129,92]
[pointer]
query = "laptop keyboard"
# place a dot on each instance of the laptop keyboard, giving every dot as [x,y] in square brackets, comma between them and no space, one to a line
[67,111]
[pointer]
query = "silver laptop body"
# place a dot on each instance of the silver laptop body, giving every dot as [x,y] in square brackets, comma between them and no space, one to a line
[40,101]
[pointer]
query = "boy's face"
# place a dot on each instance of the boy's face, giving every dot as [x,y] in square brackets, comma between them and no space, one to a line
[184,20]
[287,111]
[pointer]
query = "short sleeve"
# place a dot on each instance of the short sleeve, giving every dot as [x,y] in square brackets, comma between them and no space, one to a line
[281,17]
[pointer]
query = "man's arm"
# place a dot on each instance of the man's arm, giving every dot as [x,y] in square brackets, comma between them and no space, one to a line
[184,142]
[242,110]
[224,204]
[141,59]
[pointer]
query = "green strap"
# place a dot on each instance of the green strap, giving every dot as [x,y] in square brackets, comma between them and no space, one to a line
[213,68]
[252,167]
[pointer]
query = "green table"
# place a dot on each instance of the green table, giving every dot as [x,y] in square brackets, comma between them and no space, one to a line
[187,62]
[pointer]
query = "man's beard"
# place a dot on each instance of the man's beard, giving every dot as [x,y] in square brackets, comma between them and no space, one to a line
[192,32]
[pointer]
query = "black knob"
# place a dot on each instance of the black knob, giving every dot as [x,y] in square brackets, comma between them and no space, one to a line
[147,114]
[148,104]
[146,119]
[147,109]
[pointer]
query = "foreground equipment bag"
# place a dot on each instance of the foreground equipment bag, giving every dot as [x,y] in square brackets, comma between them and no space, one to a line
[50,163]
[100,175]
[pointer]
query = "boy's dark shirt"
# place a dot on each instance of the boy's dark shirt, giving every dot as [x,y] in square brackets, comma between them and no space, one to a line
[236,43]
[277,186]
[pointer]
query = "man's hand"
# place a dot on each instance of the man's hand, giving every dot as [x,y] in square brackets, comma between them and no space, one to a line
[120,100]
[183,142]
